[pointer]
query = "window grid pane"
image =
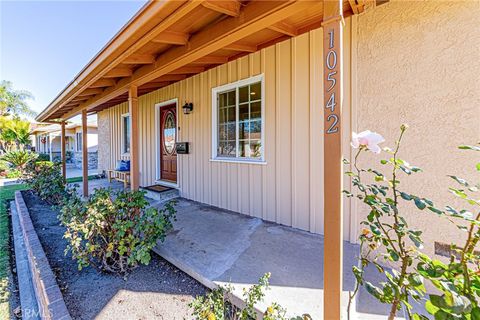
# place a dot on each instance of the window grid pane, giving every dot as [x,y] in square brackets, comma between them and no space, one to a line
[226,124]
[240,122]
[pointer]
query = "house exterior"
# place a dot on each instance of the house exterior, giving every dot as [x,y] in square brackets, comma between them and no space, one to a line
[47,140]
[239,87]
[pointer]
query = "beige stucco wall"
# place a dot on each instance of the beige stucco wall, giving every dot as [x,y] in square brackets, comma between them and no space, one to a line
[418,62]
[288,189]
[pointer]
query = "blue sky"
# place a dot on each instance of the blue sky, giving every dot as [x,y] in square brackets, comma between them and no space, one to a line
[44,44]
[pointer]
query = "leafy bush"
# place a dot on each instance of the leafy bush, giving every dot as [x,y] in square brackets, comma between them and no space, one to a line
[458,281]
[47,181]
[114,231]
[387,236]
[13,173]
[4,167]
[43,157]
[216,304]
[20,158]
[45,163]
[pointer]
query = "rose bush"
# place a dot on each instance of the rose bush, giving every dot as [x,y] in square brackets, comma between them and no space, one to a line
[45,178]
[387,238]
[216,305]
[114,231]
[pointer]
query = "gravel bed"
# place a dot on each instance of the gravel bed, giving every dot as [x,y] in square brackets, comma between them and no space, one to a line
[156,291]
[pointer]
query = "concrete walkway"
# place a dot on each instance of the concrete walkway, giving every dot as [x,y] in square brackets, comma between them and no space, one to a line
[218,247]
[75,172]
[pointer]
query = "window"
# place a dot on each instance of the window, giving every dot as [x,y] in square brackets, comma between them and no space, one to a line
[125,133]
[78,137]
[238,120]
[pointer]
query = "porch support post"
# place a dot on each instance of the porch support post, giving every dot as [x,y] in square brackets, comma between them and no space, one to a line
[63,151]
[332,109]
[50,146]
[133,110]
[84,153]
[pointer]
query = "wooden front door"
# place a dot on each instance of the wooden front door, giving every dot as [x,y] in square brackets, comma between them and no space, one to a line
[168,133]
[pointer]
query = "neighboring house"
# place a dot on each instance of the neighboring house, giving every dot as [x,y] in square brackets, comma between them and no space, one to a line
[47,140]
[255,133]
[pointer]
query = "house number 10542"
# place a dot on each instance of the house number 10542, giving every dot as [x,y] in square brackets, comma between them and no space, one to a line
[331,65]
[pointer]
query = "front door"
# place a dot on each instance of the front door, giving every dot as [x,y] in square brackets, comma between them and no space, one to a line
[168,133]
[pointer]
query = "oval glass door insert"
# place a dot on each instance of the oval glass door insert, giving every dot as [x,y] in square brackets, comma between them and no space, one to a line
[169,133]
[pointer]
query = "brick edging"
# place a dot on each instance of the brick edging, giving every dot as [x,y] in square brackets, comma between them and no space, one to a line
[49,297]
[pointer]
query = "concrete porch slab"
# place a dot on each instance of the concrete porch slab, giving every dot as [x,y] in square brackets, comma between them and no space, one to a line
[218,247]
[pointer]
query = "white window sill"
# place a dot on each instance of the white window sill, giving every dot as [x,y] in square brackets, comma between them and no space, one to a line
[235,160]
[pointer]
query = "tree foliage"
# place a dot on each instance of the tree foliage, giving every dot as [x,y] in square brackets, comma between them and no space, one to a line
[14,133]
[14,102]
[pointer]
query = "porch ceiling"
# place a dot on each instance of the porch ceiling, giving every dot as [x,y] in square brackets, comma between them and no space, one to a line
[168,41]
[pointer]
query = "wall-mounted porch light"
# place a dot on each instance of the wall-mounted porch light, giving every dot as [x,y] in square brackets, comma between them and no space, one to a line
[187,107]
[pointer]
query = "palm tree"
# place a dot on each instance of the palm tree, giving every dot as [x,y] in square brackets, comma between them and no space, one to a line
[13,102]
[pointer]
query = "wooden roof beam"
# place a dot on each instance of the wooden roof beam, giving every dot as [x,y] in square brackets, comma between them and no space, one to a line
[170,77]
[241,47]
[172,37]
[119,72]
[211,60]
[284,28]
[360,6]
[89,74]
[255,16]
[89,92]
[102,83]
[151,85]
[139,59]
[78,99]
[228,7]
[188,70]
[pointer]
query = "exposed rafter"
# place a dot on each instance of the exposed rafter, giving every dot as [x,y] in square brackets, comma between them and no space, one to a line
[188,70]
[228,7]
[91,91]
[170,77]
[255,16]
[104,61]
[119,72]
[139,59]
[171,37]
[241,47]
[102,83]
[211,60]
[284,28]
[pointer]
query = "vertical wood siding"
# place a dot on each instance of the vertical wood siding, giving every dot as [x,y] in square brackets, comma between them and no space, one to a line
[289,188]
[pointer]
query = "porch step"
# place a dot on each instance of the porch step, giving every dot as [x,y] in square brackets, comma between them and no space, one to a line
[163,195]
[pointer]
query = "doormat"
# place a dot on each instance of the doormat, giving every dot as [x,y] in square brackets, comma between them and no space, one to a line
[158,188]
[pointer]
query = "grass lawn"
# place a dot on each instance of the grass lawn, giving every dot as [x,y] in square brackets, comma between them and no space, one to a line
[7,193]
[79,179]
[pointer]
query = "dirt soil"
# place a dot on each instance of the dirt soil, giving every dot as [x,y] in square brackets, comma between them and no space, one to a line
[156,291]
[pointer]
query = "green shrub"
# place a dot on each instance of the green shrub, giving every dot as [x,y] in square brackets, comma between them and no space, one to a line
[388,237]
[43,157]
[19,158]
[4,168]
[13,173]
[216,304]
[114,231]
[47,181]
[44,163]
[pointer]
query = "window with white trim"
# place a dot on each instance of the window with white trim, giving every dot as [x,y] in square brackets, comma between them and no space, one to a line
[126,133]
[238,120]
